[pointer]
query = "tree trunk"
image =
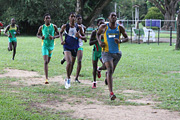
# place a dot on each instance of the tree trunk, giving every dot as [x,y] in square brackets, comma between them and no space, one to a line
[178,33]
[168,9]
[96,10]
[79,7]
[167,24]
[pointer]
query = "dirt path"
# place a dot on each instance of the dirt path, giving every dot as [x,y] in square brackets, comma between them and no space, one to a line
[95,109]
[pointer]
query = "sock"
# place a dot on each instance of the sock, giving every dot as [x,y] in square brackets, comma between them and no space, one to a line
[111,93]
[98,69]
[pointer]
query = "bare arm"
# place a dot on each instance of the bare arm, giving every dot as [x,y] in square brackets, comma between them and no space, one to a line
[84,29]
[125,39]
[61,34]
[5,32]
[56,31]
[101,30]
[81,31]
[39,33]
[93,39]
[78,35]
[18,31]
[84,37]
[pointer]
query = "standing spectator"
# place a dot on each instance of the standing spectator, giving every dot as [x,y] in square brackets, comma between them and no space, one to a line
[1,27]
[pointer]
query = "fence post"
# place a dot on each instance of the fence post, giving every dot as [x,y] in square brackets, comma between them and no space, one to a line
[148,36]
[131,34]
[158,35]
[170,35]
[150,23]
[127,24]
[175,26]
[139,37]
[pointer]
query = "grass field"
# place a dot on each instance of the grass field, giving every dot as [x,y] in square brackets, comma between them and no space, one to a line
[151,69]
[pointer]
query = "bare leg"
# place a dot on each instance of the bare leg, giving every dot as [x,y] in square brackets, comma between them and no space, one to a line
[49,58]
[46,61]
[14,49]
[10,46]
[72,65]
[109,66]
[68,58]
[103,67]
[79,59]
[94,69]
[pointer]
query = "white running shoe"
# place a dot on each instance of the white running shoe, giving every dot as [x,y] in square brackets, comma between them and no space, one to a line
[67,83]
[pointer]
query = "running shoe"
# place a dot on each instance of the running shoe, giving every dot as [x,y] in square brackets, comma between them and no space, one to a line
[46,82]
[98,72]
[105,81]
[113,97]
[62,61]
[94,85]
[76,80]
[67,83]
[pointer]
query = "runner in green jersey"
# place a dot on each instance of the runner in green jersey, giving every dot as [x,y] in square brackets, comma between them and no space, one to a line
[96,52]
[47,32]
[11,31]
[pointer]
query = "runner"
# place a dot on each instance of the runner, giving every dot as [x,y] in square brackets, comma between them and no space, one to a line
[47,32]
[80,49]
[111,53]
[71,44]
[12,30]
[96,52]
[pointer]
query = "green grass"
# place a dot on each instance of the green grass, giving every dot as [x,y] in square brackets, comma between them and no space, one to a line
[143,68]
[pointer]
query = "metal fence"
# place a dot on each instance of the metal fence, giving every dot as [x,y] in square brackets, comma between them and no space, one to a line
[168,36]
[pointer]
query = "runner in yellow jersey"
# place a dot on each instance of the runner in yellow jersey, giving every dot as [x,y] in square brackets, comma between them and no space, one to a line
[11,31]
[47,32]
[111,53]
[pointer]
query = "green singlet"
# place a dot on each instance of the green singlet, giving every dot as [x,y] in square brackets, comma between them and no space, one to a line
[47,44]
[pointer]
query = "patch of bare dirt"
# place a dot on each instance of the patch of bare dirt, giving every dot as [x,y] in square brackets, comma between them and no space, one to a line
[171,72]
[107,112]
[18,73]
[131,91]
[92,109]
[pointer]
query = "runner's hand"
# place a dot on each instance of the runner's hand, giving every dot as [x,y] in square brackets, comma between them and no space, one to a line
[79,26]
[77,35]
[116,40]
[42,37]
[63,42]
[10,36]
[85,40]
[102,44]
[51,37]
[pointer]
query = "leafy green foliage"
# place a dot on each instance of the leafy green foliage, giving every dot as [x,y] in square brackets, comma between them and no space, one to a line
[154,13]
[29,13]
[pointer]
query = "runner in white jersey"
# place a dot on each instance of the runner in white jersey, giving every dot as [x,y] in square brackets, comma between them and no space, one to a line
[80,49]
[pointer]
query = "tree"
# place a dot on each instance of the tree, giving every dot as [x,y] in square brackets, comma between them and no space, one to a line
[177,47]
[154,13]
[29,13]
[168,9]
[92,9]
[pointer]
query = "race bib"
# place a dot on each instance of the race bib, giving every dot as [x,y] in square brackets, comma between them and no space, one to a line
[112,36]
